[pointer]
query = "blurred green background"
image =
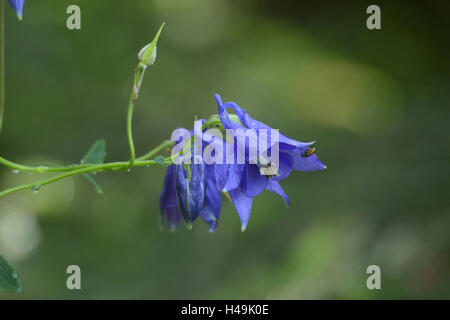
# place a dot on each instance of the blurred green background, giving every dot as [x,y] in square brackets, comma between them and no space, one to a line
[377,102]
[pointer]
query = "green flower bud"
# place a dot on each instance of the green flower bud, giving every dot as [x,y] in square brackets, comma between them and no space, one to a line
[147,55]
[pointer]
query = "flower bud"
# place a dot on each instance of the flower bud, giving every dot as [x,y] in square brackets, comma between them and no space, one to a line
[147,55]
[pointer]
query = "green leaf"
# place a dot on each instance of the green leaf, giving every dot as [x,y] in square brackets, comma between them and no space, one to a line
[9,280]
[98,188]
[95,155]
[160,160]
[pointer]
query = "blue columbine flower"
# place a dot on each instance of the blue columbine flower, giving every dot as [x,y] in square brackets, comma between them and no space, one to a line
[244,182]
[17,5]
[200,195]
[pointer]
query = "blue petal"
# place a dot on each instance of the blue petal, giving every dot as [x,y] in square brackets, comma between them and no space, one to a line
[275,187]
[251,123]
[223,115]
[286,164]
[253,183]
[247,149]
[191,194]
[243,206]
[173,216]
[17,5]
[212,206]
[228,176]
[306,163]
[168,194]
[168,201]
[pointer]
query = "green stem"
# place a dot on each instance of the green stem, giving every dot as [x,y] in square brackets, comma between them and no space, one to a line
[77,169]
[124,165]
[39,169]
[155,151]
[46,169]
[130,131]
[2,64]
[137,81]
[73,170]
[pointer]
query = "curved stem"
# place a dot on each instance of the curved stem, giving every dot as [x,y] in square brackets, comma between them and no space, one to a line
[73,170]
[137,81]
[130,131]
[158,149]
[77,169]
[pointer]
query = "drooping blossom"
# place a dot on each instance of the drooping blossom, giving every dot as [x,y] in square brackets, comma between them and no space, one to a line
[244,182]
[197,193]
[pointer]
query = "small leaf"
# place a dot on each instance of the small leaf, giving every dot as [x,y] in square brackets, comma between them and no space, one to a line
[9,280]
[98,188]
[160,160]
[95,155]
